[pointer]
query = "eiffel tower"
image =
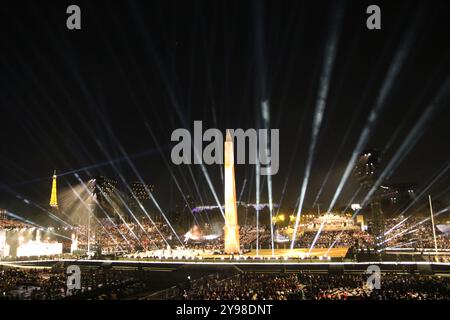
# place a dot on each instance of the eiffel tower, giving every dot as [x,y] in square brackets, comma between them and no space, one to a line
[53,197]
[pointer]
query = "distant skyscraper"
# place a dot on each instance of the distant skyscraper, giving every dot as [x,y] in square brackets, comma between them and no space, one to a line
[53,196]
[231,227]
[367,173]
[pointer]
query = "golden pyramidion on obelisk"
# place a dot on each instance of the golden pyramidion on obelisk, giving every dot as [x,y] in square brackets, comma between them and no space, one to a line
[231,227]
[54,197]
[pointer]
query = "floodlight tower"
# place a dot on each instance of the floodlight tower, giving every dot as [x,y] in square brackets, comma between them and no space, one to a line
[367,171]
[92,205]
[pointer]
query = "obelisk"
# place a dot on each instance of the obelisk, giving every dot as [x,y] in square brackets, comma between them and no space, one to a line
[231,228]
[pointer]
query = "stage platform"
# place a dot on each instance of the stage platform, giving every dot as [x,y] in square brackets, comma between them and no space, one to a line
[295,253]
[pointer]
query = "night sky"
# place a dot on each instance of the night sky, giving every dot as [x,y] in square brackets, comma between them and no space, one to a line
[70,99]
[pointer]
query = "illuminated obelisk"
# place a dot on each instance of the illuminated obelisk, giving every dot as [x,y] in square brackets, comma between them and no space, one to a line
[231,227]
[53,196]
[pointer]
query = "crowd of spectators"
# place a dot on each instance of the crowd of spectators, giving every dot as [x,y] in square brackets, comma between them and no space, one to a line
[99,283]
[125,237]
[12,224]
[414,232]
[246,287]
[326,239]
[145,235]
[31,284]
[309,286]
[49,284]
